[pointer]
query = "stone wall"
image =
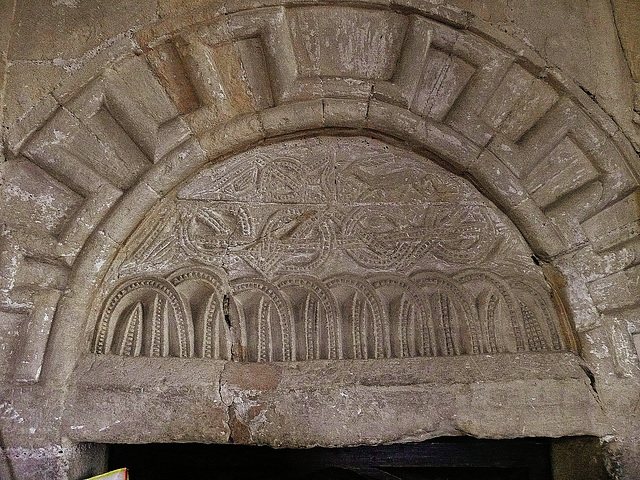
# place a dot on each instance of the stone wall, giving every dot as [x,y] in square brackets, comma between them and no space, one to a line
[316,215]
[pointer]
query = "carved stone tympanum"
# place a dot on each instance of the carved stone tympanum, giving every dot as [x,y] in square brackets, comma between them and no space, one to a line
[325,248]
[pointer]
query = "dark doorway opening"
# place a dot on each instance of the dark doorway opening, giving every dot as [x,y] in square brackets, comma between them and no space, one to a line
[441,459]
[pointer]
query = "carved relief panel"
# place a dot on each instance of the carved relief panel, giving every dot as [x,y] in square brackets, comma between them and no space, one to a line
[325,248]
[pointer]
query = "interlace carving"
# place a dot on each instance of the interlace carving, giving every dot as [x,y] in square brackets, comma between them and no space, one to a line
[349,250]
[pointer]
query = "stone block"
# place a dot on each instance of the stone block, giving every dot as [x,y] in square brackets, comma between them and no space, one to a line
[293,117]
[628,152]
[530,409]
[345,88]
[64,462]
[43,149]
[130,210]
[526,55]
[172,73]
[87,217]
[500,183]
[444,76]
[545,238]
[390,93]
[510,153]
[175,166]
[11,327]
[85,70]
[97,252]
[35,336]
[120,403]
[572,286]
[28,83]
[342,410]
[18,244]
[551,130]
[467,123]
[280,406]
[392,120]
[620,330]
[106,148]
[40,273]
[619,290]
[365,44]
[565,169]
[137,80]
[506,97]
[228,79]
[338,112]
[536,99]
[449,145]
[615,225]
[34,201]
[86,102]
[402,86]
[30,122]
[560,81]
[239,133]
[149,121]
[493,64]
[567,214]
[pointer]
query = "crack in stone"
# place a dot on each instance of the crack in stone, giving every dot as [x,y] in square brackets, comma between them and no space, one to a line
[4,147]
[230,411]
[592,384]
[622,45]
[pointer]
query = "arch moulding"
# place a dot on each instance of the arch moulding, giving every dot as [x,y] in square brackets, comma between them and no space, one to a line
[112,145]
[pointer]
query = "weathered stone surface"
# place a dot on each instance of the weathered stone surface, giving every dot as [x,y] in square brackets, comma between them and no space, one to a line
[381,243]
[87,26]
[618,290]
[169,8]
[371,51]
[329,403]
[615,225]
[7,10]
[183,398]
[416,406]
[284,119]
[73,461]
[34,200]
[31,83]
[105,224]
[10,338]
[557,30]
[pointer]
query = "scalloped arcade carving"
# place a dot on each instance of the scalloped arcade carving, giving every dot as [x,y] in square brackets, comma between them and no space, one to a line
[326,248]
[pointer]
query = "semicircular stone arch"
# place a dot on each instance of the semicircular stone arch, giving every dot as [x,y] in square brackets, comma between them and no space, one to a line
[197,93]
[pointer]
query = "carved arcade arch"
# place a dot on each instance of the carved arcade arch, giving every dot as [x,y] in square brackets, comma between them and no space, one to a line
[114,148]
